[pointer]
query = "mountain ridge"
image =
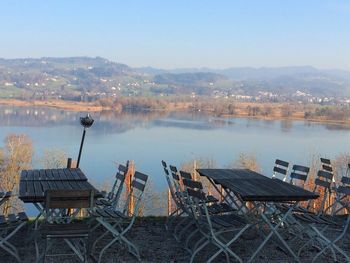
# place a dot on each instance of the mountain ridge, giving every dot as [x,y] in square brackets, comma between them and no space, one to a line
[63,75]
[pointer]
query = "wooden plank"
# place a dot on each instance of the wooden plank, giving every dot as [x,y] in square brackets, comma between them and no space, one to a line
[42,174]
[36,175]
[62,174]
[22,189]
[70,174]
[45,186]
[49,174]
[52,184]
[30,175]
[30,188]
[24,175]
[55,174]
[38,190]
[76,174]
[80,174]
[67,185]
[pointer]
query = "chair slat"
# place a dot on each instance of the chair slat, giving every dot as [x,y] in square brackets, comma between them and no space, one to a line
[327,168]
[138,185]
[322,183]
[164,164]
[192,184]
[175,176]
[120,176]
[185,175]
[345,180]
[282,163]
[166,170]
[141,176]
[279,170]
[173,168]
[301,168]
[325,174]
[122,168]
[298,176]
[325,161]
[344,190]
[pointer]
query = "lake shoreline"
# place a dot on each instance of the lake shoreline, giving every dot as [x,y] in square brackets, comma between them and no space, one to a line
[92,107]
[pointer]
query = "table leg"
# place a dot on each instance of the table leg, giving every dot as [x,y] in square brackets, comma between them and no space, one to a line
[274,230]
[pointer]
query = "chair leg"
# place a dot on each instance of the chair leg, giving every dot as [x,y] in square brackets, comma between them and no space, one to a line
[198,249]
[11,250]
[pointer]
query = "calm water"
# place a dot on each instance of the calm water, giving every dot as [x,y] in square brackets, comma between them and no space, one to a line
[147,138]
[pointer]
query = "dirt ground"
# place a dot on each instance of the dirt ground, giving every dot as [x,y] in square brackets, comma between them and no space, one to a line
[157,245]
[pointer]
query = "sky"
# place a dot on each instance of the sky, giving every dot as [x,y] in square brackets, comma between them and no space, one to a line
[181,33]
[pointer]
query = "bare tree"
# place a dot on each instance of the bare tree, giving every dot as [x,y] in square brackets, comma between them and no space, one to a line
[16,156]
[246,161]
[54,158]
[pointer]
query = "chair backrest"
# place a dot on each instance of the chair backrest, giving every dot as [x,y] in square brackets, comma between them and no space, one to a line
[176,178]
[323,183]
[185,175]
[196,198]
[69,199]
[118,185]
[174,172]
[342,198]
[280,168]
[169,180]
[138,185]
[326,165]
[299,174]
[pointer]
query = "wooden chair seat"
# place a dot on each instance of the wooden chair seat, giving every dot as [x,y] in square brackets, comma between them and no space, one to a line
[72,230]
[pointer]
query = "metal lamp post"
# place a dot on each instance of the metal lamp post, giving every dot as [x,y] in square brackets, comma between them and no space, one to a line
[86,122]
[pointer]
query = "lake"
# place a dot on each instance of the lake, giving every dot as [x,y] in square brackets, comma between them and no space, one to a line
[176,137]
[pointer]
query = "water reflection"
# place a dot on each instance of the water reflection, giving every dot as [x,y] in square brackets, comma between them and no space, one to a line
[286,125]
[116,122]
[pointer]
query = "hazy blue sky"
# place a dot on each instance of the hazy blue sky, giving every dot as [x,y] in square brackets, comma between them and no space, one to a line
[181,33]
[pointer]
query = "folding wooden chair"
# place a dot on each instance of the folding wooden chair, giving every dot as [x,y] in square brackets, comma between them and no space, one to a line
[112,198]
[60,208]
[298,175]
[322,229]
[212,227]
[9,225]
[175,197]
[118,223]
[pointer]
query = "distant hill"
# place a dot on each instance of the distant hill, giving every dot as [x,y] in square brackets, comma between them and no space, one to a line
[74,77]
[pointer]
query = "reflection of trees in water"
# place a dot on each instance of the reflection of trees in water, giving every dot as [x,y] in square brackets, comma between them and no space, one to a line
[106,121]
[118,122]
[286,125]
[337,127]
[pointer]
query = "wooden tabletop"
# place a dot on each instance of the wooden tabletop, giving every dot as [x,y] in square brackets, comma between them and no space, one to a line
[34,183]
[252,186]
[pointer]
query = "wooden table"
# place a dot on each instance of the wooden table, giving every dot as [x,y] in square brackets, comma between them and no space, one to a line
[252,186]
[34,183]
[262,192]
